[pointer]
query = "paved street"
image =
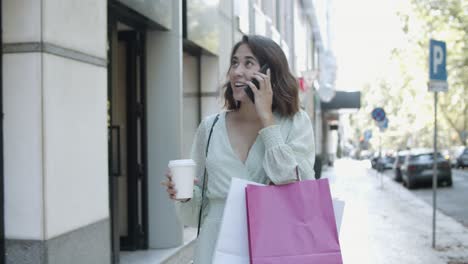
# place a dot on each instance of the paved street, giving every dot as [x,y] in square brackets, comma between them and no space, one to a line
[385,223]
[450,200]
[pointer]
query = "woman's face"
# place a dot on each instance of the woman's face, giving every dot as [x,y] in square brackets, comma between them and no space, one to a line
[243,65]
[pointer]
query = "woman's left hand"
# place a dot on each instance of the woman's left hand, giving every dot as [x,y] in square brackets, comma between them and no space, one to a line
[263,97]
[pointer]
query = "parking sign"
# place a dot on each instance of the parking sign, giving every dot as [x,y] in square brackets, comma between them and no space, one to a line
[437,69]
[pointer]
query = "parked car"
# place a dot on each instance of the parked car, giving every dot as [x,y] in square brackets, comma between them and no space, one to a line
[399,159]
[418,168]
[365,154]
[387,162]
[454,153]
[374,159]
[462,159]
[384,163]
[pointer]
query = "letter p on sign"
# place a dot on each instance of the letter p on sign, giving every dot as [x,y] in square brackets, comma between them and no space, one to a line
[438,58]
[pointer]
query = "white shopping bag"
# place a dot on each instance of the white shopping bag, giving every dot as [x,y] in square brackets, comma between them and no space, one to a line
[233,244]
[338,209]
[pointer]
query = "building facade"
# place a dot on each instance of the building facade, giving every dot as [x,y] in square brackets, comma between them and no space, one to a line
[98,96]
[2,196]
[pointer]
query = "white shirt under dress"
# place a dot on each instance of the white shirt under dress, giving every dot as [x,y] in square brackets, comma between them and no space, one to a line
[274,155]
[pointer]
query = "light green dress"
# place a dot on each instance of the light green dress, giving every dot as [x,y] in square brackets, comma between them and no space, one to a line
[276,152]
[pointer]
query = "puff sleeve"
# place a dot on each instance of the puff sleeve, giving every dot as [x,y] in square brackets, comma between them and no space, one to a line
[284,153]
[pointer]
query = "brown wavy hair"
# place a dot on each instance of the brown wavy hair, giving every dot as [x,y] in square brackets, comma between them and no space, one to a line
[283,83]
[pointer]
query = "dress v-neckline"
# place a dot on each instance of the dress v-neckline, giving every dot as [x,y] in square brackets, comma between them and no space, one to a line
[230,145]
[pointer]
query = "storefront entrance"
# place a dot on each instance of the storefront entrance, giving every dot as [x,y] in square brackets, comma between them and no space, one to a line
[127,137]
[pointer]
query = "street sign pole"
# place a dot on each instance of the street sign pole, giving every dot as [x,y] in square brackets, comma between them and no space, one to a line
[437,83]
[378,114]
[434,176]
[380,155]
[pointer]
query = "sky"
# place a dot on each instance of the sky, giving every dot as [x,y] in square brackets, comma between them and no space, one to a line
[363,34]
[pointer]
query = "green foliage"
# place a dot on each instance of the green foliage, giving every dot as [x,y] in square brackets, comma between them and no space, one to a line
[403,92]
[446,20]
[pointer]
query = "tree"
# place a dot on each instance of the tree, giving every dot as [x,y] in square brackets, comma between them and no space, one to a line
[402,91]
[446,20]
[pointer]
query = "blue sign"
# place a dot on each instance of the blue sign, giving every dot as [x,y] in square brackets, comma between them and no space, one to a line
[378,114]
[437,60]
[367,135]
[437,66]
[383,124]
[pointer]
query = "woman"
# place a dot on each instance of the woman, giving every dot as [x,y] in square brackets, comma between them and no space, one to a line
[263,141]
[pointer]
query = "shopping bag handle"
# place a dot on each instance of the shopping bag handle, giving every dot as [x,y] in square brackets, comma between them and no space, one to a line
[297,174]
[298,177]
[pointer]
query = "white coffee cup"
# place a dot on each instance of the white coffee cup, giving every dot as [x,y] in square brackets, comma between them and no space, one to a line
[183,175]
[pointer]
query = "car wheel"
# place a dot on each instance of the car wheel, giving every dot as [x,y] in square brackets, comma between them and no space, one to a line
[410,184]
[398,175]
[449,183]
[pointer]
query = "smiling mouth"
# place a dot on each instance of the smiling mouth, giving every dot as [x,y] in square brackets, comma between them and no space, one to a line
[240,85]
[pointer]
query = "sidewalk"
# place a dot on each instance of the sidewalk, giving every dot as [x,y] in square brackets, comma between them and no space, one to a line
[384,223]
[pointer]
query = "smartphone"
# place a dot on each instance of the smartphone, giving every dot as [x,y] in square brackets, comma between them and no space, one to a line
[247,89]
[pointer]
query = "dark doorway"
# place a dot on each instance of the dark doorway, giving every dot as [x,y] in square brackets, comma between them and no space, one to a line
[127,138]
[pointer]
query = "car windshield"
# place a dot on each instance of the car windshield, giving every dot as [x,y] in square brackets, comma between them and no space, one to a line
[389,159]
[424,157]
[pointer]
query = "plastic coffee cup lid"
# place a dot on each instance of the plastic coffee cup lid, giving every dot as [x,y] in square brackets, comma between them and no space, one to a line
[184,162]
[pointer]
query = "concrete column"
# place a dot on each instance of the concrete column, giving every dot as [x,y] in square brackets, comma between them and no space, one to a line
[55,105]
[164,102]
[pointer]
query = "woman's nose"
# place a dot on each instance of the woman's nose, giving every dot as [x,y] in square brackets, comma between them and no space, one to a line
[239,70]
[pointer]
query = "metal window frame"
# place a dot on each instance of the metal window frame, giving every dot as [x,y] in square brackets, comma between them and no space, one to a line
[137,238]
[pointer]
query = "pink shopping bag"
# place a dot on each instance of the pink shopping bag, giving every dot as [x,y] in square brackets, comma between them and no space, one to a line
[292,224]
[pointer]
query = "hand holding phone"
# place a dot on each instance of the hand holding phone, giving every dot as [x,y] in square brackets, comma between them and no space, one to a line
[247,89]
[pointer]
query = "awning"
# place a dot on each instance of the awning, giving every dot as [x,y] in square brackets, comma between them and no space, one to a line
[343,100]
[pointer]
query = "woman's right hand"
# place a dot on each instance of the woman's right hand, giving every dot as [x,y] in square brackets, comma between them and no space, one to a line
[170,187]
